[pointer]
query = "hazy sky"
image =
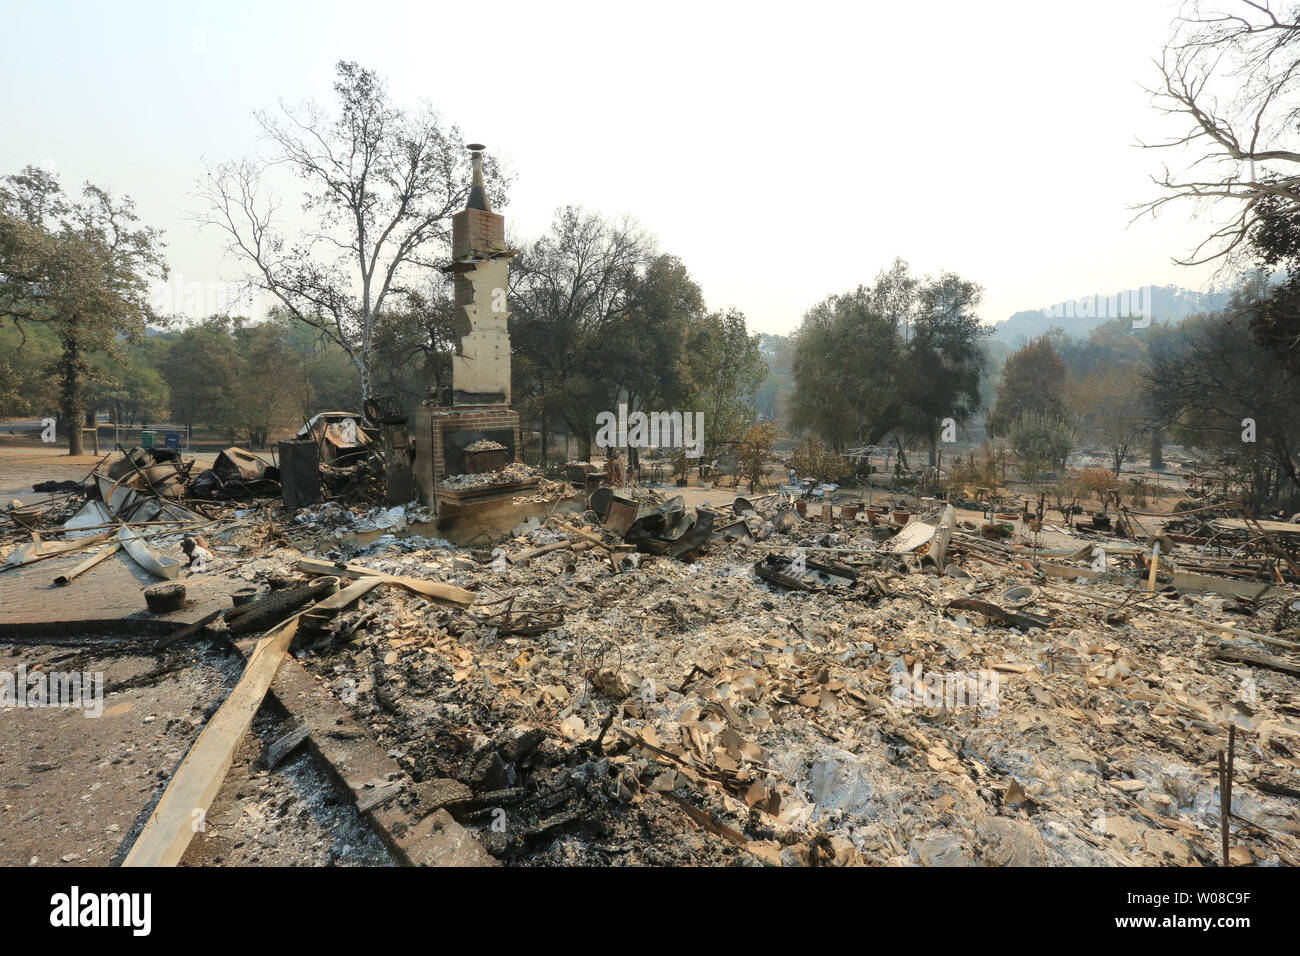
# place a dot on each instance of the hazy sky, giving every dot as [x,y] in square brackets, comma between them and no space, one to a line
[783,151]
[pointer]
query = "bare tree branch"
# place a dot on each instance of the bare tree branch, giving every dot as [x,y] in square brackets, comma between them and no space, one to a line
[381,183]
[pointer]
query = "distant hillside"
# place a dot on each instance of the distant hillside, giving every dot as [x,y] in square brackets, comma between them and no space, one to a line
[1079,317]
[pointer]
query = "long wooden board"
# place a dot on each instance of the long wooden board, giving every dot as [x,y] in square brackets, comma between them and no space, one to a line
[174,821]
[320,613]
[345,596]
[1237,524]
[37,550]
[435,590]
[356,763]
[1259,660]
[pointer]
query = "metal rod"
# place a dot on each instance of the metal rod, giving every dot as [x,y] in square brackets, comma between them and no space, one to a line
[1223,815]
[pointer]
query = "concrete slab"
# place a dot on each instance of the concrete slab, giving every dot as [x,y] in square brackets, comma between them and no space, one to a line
[107,599]
[76,781]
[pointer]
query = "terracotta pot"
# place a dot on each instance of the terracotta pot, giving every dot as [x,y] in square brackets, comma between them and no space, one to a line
[873,515]
[901,516]
[850,512]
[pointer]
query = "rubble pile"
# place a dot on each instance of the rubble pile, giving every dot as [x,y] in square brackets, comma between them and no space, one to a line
[650,682]
[888,714]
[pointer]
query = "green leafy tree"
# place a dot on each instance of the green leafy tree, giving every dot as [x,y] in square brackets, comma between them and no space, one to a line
[1274,314]
[812,458]
[330,382]
[896,357]
[83,268]
[726,368]
[1112,408]
[645,349]
[1040,442]
[415,343]
[1223,393]
[27,352]
[844,390]
[773,396]
[756,452]
[267,391]
[202,368]
[941,377]
[132,391]
[569,288]
[1033,380]
[244,379]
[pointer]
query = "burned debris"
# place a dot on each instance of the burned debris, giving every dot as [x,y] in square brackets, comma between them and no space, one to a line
[842,688]
[485,661]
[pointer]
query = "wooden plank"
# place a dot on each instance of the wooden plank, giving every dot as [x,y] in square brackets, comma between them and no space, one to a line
[1237,524]
[345,596]
[1258,660]
[37,550]
[939,550]
[364,771]
[195,785]
[319,615]
[1231,587]
[434,590]
[189,630]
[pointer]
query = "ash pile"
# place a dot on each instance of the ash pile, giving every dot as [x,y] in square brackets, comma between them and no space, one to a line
[651,683]
[648,682]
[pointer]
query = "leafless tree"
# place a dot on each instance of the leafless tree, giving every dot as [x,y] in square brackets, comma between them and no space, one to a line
[1230,72]
[381,184]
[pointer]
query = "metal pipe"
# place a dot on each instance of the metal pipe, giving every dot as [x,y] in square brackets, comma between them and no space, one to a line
[67,576]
